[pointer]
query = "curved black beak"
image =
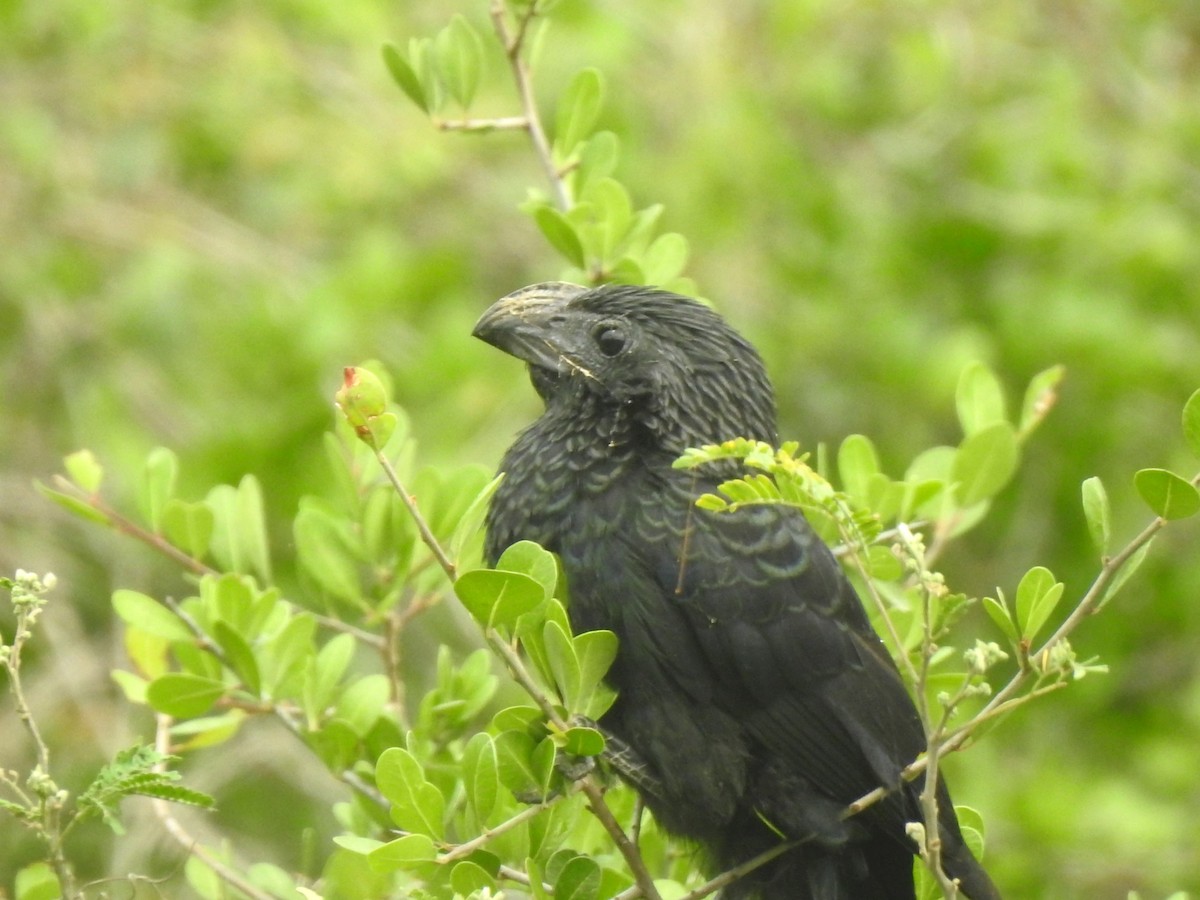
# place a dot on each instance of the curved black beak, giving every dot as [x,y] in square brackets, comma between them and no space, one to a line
[527,322]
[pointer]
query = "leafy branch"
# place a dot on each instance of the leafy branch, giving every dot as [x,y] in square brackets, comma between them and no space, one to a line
[781,476]
[364,404]
[588,217]
[45,808]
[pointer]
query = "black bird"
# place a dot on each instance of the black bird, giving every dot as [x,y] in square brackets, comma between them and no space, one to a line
[755,700]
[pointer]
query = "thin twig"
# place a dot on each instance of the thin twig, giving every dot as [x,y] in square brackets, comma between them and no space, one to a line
[587,786]
[466,849]
[852,545]
[502,123]
[49,801]
[1004,700]
[162,811]
[514,45]
[127,526]
[427,536]
[369,638]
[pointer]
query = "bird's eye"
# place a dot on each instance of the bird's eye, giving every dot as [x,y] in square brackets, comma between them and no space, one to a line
[610,339]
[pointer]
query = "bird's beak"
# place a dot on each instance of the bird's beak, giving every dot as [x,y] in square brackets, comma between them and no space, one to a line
[524,324]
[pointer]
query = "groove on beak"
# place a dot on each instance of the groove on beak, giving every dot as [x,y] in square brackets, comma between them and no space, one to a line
[523,323]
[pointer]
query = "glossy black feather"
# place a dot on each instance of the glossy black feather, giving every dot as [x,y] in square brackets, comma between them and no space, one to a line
[752,688]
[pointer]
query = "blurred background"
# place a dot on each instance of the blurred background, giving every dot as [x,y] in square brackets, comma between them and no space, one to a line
[208,207]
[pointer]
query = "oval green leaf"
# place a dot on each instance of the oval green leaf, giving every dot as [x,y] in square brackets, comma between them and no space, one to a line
[149,615]
[402,853]
[984,463]
[404,75]
[979,399]
[183,695]
[578,110]
[1037,595]
[1097,512]
[417,805]
[1191,423]
[459,52]
[495,597]
[1170,496]
[561,234]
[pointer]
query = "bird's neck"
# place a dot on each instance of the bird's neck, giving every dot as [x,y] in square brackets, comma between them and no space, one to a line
[562,466]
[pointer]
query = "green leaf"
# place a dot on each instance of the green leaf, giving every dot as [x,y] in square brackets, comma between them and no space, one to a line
[1040,397]
[467,877]
[417,805]
[183,695]
[579,741]
[637,234]
[934,464]
[613,215]
[626,271]
[158,486]
[984,463]
[174,793]
[561,234]
[1170,496]
[37,882]
[543,759]
[1097,512]
[533,869]
[72,504]
[404,75]
[998,612]
[969,818]
[517,718]
[363,701]
[578,880]
[356,844]
[208,731]
[578,111]
[149,615]
[597,159]
[286,654]
[1037,595]
[1124,573]
[481,775]
[560,651]
[460,59]
[402,853]
[1191,423]
[882,564]
[594,655]
[514,760]
[239,655]
[327,550]
[665,258]
[132,686]
[498,598]
[857,462]
[85,470]
[324,671]
[239,541]
[471,520]
[533,560]
[531,631]
[188,526]
[979,399]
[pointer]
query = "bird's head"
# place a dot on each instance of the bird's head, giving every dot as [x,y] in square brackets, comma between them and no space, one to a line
[649,362]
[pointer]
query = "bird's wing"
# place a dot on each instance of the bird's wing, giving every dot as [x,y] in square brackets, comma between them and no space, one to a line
[788,644]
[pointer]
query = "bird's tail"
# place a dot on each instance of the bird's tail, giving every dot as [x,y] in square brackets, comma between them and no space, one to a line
[959,863]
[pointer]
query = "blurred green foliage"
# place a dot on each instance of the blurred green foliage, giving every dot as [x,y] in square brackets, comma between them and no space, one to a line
[208,208]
